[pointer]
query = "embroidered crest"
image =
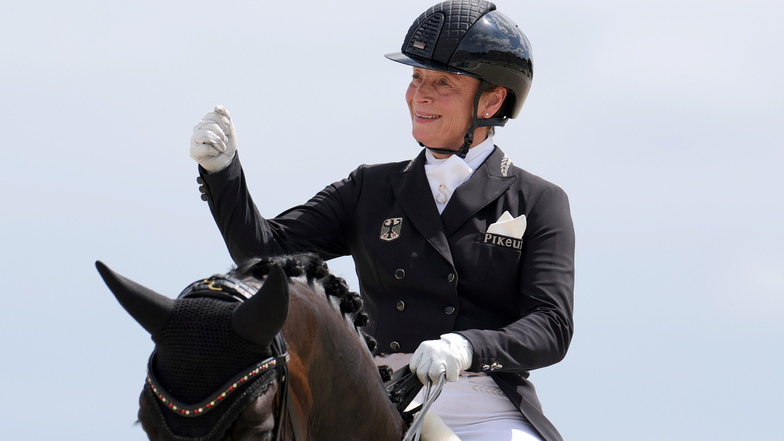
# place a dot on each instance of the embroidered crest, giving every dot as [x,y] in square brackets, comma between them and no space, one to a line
[505,164]
[390,229]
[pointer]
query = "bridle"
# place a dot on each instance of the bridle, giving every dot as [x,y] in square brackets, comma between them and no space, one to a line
[233,396]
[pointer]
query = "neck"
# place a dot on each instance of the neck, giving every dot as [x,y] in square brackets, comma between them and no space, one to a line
[327,368]
[479,136]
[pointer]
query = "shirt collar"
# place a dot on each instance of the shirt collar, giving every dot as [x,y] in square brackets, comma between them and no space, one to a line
[475,157]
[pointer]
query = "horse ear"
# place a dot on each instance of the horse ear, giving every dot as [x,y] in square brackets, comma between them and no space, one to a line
[260,318]
[147,307]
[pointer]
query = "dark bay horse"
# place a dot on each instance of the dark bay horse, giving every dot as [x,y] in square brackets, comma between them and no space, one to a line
[270,351]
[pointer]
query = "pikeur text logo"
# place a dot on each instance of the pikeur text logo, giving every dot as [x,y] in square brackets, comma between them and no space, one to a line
[504,241]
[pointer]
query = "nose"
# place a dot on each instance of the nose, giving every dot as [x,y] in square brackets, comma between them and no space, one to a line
[423,92]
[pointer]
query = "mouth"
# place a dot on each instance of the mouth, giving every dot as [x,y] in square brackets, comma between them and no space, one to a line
[430,117]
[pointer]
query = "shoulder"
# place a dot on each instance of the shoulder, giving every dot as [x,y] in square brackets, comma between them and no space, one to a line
[536,184]
[546,203]
[526,182]
[387,167]
[371,176]
[383,170]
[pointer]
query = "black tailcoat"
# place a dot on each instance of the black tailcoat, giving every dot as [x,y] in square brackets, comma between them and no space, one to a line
[423,274]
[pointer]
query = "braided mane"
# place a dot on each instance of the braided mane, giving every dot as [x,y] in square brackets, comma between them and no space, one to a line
[316,273]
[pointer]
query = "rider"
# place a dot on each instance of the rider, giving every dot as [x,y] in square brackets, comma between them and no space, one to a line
[465,261]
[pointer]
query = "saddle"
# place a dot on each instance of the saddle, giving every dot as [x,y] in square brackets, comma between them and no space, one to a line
[401,386]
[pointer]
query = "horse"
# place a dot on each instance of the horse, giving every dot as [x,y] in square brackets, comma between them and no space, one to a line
[273,350]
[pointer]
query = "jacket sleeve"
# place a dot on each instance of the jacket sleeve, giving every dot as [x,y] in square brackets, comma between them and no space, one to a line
[542,335]
[321,225]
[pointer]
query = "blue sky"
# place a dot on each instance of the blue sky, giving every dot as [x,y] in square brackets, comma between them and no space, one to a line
[662,121]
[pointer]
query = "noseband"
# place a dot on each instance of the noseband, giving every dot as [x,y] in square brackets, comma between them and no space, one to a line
[233,396]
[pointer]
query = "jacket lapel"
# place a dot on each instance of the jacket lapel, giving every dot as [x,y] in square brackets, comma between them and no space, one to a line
[412,192]
[487,184]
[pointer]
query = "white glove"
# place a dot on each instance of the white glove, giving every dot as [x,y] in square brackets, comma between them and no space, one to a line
[214,140]
[451,355]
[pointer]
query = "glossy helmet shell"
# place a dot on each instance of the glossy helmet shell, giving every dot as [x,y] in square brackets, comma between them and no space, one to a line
[470,37]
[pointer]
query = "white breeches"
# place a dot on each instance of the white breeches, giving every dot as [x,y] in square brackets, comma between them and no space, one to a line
[474,407]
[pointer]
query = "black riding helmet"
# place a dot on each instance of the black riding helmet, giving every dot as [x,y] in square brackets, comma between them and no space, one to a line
[469,37]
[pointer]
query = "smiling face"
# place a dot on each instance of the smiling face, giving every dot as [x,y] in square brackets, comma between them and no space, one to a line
[441,107]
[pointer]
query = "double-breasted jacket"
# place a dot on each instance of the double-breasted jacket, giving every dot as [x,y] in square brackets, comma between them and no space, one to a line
[422,274]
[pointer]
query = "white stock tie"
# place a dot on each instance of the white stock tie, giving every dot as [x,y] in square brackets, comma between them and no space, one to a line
[444,176]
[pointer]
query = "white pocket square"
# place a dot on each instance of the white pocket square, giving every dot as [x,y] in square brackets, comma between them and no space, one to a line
[508,226]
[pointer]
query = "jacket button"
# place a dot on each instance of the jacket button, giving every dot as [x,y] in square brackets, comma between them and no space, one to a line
[399,274]
[395,346]
[492,367]
[449,310]
[401,305]
[450,278]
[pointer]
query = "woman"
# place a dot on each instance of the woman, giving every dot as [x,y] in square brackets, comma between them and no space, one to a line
[465,261]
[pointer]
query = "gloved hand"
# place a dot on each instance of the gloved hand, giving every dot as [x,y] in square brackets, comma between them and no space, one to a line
[214,140]
[451,355]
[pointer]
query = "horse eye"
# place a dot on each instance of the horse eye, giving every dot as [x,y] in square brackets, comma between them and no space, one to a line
[260,436]
[252,435]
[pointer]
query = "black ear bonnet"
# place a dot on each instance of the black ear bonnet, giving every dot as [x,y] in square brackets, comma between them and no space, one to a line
[196,360]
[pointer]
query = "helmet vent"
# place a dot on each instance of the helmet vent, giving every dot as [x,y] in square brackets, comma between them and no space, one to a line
[423,42]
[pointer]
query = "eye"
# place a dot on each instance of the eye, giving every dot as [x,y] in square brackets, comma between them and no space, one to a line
[251,434]
[260,436]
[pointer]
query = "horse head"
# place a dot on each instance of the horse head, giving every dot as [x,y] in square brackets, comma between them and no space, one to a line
[272,350]
[216,347]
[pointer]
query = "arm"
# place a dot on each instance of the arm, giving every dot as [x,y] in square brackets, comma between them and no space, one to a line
[542,335]
[318,226]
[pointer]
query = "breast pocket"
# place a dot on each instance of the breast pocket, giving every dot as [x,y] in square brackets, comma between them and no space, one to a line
[500,257]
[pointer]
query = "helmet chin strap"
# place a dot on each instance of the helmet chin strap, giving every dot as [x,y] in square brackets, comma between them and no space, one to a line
[476,122]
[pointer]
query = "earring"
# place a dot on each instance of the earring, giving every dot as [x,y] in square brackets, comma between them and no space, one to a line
[487,114]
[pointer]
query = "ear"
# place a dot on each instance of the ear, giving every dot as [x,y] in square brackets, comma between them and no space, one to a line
[259,318]
[147,307]
[492,101]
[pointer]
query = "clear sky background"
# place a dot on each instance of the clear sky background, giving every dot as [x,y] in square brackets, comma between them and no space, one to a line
[662,120]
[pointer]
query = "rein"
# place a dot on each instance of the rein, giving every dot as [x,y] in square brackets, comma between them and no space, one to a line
[242,389]
[431,393]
